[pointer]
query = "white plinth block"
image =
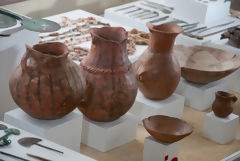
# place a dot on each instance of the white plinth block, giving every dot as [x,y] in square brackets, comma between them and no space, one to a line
[65,131]
[157,151]
[198,96]
[203,11]
[144,107]
[220,130]
[105,136]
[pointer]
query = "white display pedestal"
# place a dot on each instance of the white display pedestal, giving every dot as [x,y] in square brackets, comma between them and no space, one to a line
[65,131]
[144,107]
[156,151]
[220,130]
[200,97]
[203,11]
[105,136]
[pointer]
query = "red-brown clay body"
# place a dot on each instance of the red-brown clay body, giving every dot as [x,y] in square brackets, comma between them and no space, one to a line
[111,83]
[47,84]
[157,70]
[167,129]
[223,104]
[201,64]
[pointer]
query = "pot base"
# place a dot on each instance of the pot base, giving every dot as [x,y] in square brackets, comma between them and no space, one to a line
[220,130]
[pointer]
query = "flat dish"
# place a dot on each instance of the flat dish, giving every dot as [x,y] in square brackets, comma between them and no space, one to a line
[200,64]
[167,129]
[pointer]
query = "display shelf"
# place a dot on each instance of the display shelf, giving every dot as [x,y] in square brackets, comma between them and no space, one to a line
[17,149]
[220,130]
[65,131]
[198,96]
[113,14]
[202,11]
[105,136]
[143,107]
[234,157]
[157,151]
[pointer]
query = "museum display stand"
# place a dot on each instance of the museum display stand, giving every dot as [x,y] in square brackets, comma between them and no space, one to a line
[18,150]
[201,11]
[65,131]
[105,136]
[144,107]
[220,130]
[198,96]
[157,151]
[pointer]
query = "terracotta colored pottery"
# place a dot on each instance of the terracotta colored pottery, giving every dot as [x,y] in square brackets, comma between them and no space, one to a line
[233,34]
[111,83]
[47,85]
[167,129]
[201,64]
[157,71]
[223,104]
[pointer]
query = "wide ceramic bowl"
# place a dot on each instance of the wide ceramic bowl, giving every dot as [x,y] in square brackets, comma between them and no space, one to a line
[167,129]
[200,64]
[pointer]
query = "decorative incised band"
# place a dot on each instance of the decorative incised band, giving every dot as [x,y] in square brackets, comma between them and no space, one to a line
[100,70]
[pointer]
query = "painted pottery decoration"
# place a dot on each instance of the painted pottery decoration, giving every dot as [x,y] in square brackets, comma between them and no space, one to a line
[111,83]
[157,71]
[201,64]
[47,84]
[223,104]
[167,129]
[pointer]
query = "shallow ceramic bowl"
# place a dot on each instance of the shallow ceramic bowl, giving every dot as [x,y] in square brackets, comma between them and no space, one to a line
[167,129]
[200,64]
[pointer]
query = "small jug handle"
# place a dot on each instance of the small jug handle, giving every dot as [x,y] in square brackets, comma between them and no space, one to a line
[234,99]
[139,74]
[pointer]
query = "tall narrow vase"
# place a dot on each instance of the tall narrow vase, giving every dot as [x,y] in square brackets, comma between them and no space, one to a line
[111,83]
[47,84]
[157,70]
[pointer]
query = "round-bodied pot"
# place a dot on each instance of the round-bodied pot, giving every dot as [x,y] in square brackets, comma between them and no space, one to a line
[157,70]
[47,84]
[111,83]
[223,104]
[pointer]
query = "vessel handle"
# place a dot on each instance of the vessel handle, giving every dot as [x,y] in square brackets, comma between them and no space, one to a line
[235,99]
[140,74]
[25,58]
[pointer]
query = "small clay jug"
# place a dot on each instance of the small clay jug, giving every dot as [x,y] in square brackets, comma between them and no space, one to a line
[111,83]
[223,104]
[157,70]
[47,84]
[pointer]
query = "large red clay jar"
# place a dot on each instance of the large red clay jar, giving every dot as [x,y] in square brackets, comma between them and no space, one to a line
[47,84]
[157,70]
[111,83]
[223,104]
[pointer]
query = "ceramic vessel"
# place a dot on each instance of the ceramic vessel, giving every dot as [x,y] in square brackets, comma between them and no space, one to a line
[201,64]
[111,83]
[233,34]
[157,70]
[223,104]
[47,84]
[167,129]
